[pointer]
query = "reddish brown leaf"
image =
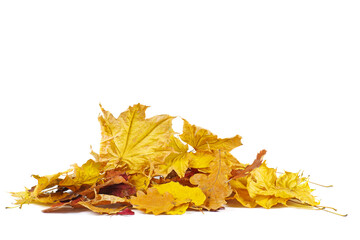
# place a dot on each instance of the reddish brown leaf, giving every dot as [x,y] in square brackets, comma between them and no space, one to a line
[111,181]
[246,171]
[120,190]
[114,172]
[57,206]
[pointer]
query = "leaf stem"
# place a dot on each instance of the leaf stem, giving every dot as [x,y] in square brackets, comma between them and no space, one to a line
[318,184]
[325,186]
[323,208]
[333,212]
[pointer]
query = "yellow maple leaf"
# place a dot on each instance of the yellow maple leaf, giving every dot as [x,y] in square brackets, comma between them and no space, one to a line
[203,140]
[214,185]
[87,174]
[292,185]
[133,142]
[261,184]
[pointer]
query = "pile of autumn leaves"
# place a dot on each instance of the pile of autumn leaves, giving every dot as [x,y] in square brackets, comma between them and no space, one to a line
[144,164]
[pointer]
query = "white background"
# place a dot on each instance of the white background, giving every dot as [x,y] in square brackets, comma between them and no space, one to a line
[282,74]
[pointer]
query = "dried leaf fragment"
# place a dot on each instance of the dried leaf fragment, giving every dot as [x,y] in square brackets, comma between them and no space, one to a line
[246,171]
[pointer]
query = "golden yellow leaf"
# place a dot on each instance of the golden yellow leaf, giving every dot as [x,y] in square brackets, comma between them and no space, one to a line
[203,140]
[179,209]
[214,185]
[243,197]
[262,180]
[292,185]
[268,201]
[45,182]
[133,142]
[239,187]
[139,181]
[260,186]
[169,198]
[201,160]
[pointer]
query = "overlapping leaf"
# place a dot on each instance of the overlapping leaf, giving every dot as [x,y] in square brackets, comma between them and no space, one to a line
[203,140]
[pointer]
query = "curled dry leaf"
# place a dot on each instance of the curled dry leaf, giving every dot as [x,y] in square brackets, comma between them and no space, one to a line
[102,210]
[142,163]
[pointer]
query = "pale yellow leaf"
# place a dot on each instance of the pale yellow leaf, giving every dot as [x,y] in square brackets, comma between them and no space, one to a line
[133,142]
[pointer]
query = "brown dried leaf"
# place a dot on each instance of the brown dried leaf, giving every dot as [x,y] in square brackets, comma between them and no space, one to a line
[215,185]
